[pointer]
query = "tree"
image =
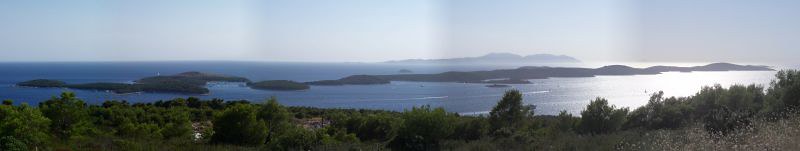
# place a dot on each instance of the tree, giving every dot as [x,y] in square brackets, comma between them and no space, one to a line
[23,125]
[295,138]
[470,128]
[423,128]
[380,127]
[176,124]
[9,143]
[599,117]
[275,115]
[509,112]
[785,90]
[565,122]
[238,125]
[660,113]
[723,110]
[68,115]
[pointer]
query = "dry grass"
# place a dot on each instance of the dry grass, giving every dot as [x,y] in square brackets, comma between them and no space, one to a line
[761,135]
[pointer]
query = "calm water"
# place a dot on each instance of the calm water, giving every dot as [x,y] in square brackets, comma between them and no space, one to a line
[550,95]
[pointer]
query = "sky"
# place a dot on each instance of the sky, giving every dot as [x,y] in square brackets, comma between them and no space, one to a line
[371,31]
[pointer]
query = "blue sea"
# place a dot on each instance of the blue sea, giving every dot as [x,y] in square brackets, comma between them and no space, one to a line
[549,95]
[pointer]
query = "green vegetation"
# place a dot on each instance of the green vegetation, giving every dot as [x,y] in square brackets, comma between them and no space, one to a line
[278,85]
[115,87]
[497,86]
[518,76]
[738,117]
[353,80]
[600,118]
[508,81]
[510,114]
[191,78]
[42,83]
[187,82]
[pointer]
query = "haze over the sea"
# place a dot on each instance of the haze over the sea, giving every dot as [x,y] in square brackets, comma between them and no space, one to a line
[374,31]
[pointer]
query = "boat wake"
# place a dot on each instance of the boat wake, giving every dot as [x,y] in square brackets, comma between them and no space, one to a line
[535,92]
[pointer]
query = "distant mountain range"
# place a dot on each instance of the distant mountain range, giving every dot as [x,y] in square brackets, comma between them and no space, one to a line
[496,58]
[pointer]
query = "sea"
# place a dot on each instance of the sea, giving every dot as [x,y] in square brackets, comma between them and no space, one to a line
[550,96]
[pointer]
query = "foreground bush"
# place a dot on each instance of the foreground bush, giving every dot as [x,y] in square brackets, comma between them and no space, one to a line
[599,117]
[423,128]
[238,125]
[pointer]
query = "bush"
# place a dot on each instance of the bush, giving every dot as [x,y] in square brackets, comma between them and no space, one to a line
[22,125]
[68,114]
[423,128]
[380,127]
[565,122]
[238,125]
[660,113]
[275,116]
[509,112]
[600,118]
[723,110]
[295,138]
[470,128]
[785,90]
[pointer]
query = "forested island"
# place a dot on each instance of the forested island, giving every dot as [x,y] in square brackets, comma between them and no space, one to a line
[352,80]
[494,58]
[194,82]
[285,85]
[187,82]
[739,117]
[518,76]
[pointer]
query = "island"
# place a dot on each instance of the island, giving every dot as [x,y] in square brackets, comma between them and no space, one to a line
[507,81]
[352,80]
[187,82]
[282,85]
[192,77]
[494,58]
[497,86]
[42,83]
[405,71]
[195,82]
[518,75]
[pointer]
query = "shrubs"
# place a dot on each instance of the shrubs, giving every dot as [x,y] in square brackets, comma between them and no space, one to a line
[68,115]
[565,122]
[275,116]
[22,127]
[423,128]
[509,112]
[470,128]
[660,113]
[600,118]
[378,127]
[784,90]
[238,125]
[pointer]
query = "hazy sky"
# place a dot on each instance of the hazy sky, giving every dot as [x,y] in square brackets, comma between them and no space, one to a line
[372,30]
